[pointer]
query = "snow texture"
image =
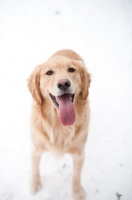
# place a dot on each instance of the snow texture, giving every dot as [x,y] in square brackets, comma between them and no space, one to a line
[101,32]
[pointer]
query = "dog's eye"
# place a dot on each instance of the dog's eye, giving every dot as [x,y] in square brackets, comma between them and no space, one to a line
[71,70]
[50,72]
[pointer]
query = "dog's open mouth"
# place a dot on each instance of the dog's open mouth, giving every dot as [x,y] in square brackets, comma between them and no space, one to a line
[56,99]
[64,103]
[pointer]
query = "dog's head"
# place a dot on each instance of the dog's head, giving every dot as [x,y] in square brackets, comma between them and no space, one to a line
[61,81]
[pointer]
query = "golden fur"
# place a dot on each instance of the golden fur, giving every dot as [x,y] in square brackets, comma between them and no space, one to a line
[47,132]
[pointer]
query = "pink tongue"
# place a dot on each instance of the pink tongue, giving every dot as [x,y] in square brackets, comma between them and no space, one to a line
[66,110]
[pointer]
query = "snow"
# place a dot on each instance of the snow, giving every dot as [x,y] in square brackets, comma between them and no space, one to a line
[100,31]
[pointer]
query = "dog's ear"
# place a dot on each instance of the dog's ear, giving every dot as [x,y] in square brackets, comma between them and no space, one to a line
[85,79]
[33,85]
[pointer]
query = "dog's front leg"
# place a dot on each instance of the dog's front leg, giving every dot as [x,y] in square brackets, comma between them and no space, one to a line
[78,191]
[35,174]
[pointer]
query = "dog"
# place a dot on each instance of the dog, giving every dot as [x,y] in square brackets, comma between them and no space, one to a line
[60,113]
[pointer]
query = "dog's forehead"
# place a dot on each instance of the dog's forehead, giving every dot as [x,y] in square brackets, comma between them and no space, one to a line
[58,62]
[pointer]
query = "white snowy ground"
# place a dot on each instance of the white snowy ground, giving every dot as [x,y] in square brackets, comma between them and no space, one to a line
[101,32]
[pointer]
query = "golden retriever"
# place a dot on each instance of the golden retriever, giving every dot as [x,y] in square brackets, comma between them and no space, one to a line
[60,113]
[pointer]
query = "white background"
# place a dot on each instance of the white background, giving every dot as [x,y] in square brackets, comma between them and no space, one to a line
[101,32]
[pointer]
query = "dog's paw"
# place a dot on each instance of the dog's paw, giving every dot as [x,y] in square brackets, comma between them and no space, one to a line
[35,186]
[79,193]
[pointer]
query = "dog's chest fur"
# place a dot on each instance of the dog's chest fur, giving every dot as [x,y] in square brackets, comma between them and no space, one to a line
[52,135]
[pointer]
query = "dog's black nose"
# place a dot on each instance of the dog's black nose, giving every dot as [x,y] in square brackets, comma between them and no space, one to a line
[63,84]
